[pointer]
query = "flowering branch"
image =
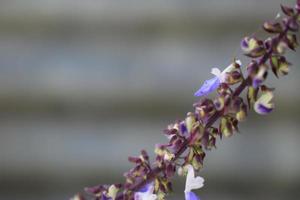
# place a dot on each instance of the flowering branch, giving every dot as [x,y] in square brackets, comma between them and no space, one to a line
[190,137]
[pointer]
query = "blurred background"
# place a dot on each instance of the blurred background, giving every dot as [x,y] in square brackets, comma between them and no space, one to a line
[84,84]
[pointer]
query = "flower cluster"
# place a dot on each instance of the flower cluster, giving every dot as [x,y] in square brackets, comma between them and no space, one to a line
[211,119]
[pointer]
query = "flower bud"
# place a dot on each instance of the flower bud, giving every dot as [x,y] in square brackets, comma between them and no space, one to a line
[228,125]
[242,113]
[281,47]
[253,47]
[205,108]
[112,191]
[233,73]
[260,76]
[190,122]
[219,103]
[264,103]
[224,90]
[291,24]
[287,10]
[273,27]
[197,162]
[279,65]
[291,41]
[251,95]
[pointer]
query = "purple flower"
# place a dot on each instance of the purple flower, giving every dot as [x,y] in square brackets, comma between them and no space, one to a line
[208,87]
[212,84]
[146,193]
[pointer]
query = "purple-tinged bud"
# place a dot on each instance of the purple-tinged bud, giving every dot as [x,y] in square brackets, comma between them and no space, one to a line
[95,189]
[135,160]
[264,104]
[233,74]
[260,76]
[252,68]
[113,191]
[205,109]
[145,156]
[195,157]
[253,47]
[298,5]
[291,24]
[197,162]
[280,66]
[183,128]
[281,47]
[251,96]
[224,90]
[228,125]
[269,43]
[211,143]
[287,10]
[205,139]
[236,104]
[273,27]
[170,130]
[239,108]
[219,103]
[190,122]
[170,170]
[242,113]
[162,185]
[291,41]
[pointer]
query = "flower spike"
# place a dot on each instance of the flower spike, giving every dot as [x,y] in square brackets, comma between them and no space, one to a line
[189,139]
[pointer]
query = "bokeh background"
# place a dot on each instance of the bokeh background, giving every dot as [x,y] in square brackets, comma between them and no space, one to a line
[84,84]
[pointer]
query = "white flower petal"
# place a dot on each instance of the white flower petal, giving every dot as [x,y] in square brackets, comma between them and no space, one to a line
[215,71]
[146,195]
[192,182]
[239,62]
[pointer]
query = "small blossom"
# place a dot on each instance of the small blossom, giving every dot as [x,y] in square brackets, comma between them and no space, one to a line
[191,196]
[252,47]
[146,193]
[208,87]
[264,103]
[192,183]
[260,76]
[112,191]
[212,84]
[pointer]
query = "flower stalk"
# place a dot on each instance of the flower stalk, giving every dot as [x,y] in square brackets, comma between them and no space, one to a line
[212,118]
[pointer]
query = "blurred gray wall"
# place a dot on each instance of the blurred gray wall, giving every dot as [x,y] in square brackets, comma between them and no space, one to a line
[84,84]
